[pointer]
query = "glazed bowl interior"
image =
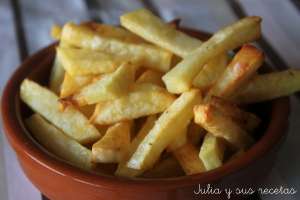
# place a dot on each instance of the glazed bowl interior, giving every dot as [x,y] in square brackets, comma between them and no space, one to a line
[268,135]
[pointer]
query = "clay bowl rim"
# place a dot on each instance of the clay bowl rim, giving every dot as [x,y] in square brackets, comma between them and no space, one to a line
[18,137]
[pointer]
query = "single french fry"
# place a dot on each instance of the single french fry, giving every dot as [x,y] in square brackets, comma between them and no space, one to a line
[211,72]
[212,151]
[178,141]
[140,54]
[174,118]
[83,62]
[143,23]
[144,99]
[71,121]
[56,76]
[168,167]
[246,120]
[56,31]
[187,156]
[122,169]
[242,67]
[180,78]
[107,87]
[120,33]
[113,145]
[269,86]
[71,84]
[150,76]
[58,143]
[220,125]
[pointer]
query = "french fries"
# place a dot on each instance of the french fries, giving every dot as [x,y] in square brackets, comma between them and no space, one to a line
[187,156]
[133,96]
[212,151]
[71,121]
[84,62]
[150,76]
[56,76]
[143,23]
[219,125]
[58,143]
[246,120]
[144,99]
[111,148]
[239,71]
[122,169]
[140,54]
[107,87]
[71,85]
[211,72]
[268,86]
[179,79]
[176,117]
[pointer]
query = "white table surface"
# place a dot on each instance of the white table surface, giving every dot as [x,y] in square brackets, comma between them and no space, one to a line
[281,28]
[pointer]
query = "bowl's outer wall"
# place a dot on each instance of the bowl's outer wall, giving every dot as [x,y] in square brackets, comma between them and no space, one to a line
[60,181]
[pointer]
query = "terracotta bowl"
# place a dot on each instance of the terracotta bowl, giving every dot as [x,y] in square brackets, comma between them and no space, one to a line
[59,180]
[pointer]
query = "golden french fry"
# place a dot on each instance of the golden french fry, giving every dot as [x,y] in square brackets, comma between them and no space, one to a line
[219,125]
[175,117]
[180,78]
[144,99]
[140,54]
[188,158]
[115,32]
[211,72]
[242,67]
[70,84]
[83,62]
[107,87]
[125,171]
[113,145]
[56,76]
[178,141]
[143,23]
[150,76]
[70,121]
[246,120]
[58,143]
[269,86]
[168,167]
[212,151]
[56,31]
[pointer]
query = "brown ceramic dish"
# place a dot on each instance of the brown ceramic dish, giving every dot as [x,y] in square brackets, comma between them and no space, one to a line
[60,181]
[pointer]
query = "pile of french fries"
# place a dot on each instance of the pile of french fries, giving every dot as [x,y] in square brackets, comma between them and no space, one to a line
[151,99]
